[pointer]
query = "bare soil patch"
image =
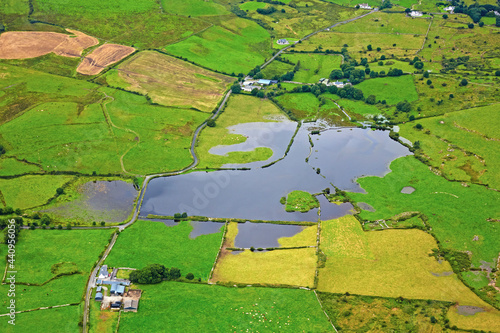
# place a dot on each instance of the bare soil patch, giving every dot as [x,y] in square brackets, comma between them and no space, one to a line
[102,57]
[32,44]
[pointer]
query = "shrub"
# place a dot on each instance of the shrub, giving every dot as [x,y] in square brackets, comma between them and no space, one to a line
[211,123]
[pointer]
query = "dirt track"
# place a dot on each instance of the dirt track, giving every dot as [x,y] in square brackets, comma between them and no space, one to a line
[31,44]
[103,56]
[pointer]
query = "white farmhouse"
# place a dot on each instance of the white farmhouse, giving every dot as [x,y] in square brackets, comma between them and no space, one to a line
[364,6]
[415,13]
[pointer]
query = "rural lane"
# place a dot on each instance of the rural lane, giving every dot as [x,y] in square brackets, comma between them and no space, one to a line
[314,33]
[92,278]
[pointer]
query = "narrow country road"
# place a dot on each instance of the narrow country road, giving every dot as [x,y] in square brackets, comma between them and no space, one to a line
[314,33]
[92,278]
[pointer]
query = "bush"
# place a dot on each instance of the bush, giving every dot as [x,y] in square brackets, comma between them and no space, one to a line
[463,83]
[211,123]
[419,126]
[189,276]
[59,191]
[471,25]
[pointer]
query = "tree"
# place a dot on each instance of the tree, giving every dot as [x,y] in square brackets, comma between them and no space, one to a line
[481,23]
[463,83]
[429,82]
[189,276]
[426,74]
[261,94]
[497,21]
[236,88]
[407,10]
[336,74]
[382,57]
[103,223]
[254,91]
[150,274]
[445,16]
[369,47]
[418,65]
[403,106]
[60,191]
[59,227]
[497,73]
[367,70]
[379,49]
[371,99]
[2,150]
[174,273]
[419,126]
[211,123]
[471,25]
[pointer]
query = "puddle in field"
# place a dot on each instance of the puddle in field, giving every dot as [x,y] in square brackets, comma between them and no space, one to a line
[407,190]
[109,201]
[205,228]
[341,154]
[263,234]
[468,310]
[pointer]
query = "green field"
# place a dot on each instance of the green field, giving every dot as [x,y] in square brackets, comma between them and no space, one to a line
[58,320]
[77,250]
[313,66]
[452,209]
[236,46]
[300,201]
[64,124]
[301,18]
[279,267]
[11,166]
[193,7]
[240,109]
[301,105]
[276,68]
[223,309]
[65,290]
[463,145]
[190,255]
[141,23]
[381,22]
[390,263]
[435,99]
[377,314]
[353,106]
[392,45]
[170,81]
[30,191]
[252,5]
[391,89]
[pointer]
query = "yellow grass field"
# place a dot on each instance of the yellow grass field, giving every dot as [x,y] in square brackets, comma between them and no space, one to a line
[390,263]
[306,237]
[102,57]
[170,81]
[294,267]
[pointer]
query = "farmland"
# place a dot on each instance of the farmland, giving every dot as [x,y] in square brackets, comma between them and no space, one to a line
[357,261]
[313,66]
[279,267]
[461,144]
[302,105]
[390,89]
[110,112]
[224,309]
[169,81]
[450,206]
[218,48]
[38,262]
[190,255]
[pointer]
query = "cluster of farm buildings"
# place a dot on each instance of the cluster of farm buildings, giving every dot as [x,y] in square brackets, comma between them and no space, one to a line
[114,293]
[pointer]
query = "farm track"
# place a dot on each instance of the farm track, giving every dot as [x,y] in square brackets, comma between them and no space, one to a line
[316,32]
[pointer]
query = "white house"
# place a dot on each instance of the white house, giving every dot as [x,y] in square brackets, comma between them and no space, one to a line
[450,9]
[364,6]
[415,13]
[282,41]
[103,273]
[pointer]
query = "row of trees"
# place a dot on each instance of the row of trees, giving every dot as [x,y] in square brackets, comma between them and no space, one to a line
[155,273]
